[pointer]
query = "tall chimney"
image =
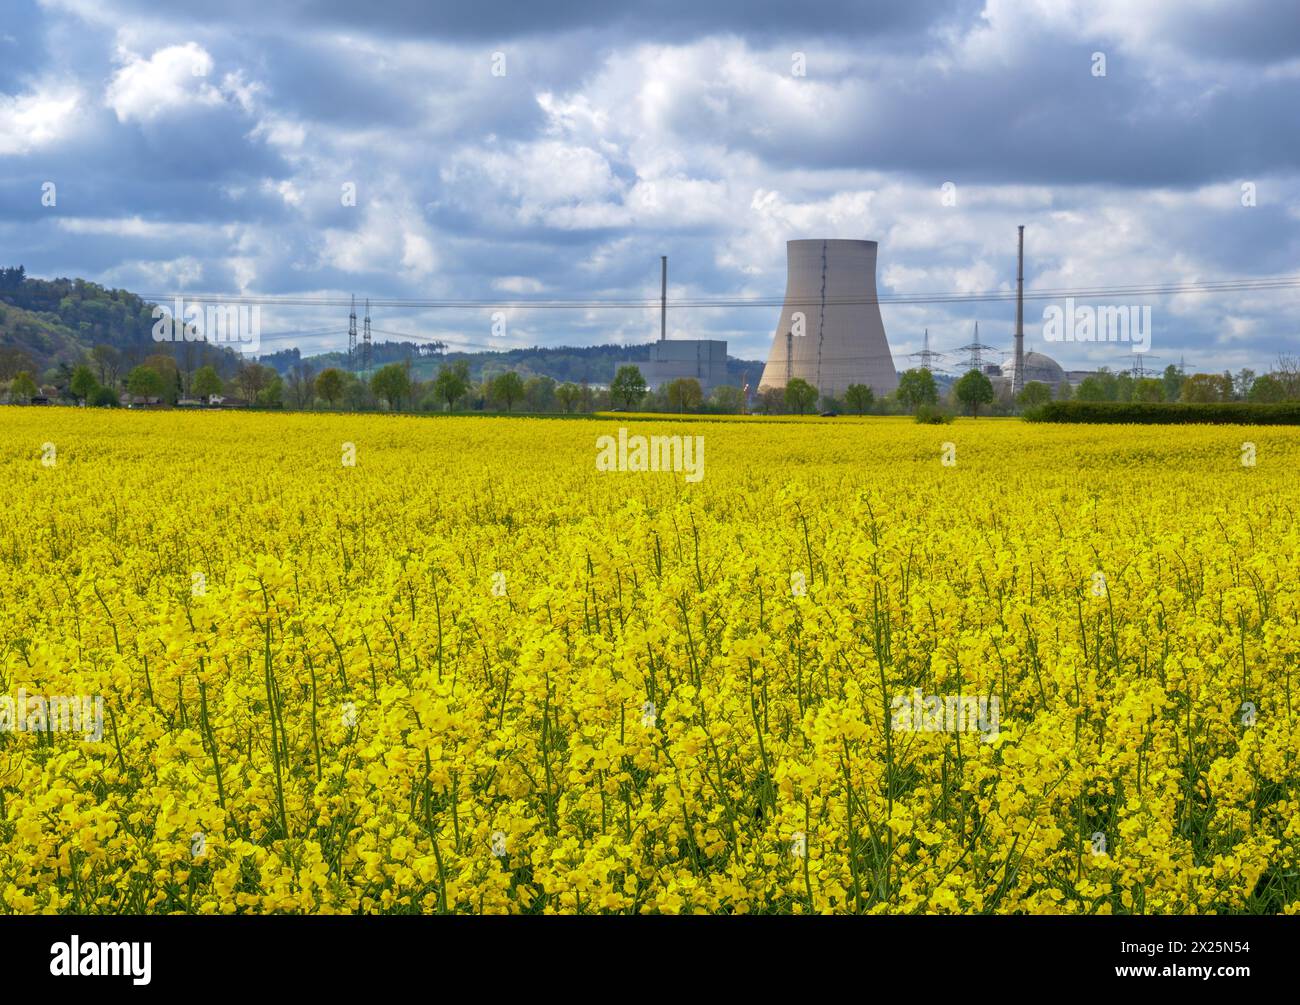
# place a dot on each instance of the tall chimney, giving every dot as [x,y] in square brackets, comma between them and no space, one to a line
[1018,384]
[663,300]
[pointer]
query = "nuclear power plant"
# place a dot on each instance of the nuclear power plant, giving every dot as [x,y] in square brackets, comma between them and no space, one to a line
[830,332]
[701,360]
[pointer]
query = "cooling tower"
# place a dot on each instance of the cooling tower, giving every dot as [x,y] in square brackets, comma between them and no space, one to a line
[830,306]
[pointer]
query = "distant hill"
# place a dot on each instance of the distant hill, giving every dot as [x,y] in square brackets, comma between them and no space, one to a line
[595,364]
[52,323]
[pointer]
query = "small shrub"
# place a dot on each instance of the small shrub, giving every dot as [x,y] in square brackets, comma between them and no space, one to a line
[933,415]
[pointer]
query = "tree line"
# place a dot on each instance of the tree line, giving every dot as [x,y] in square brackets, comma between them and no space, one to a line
[106,375]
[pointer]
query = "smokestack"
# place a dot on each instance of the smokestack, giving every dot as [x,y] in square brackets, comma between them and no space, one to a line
[663,300]
[1018,383]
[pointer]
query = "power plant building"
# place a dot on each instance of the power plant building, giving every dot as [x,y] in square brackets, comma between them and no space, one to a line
[830,332]
[704,360]
[1037,367]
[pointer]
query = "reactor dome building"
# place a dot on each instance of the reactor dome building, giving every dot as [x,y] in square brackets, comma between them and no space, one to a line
[830,332]
[1039,367]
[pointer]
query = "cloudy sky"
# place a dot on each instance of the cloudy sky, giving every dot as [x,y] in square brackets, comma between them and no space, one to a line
[514,151]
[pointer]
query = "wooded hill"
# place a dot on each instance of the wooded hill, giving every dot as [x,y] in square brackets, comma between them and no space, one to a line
[48,322]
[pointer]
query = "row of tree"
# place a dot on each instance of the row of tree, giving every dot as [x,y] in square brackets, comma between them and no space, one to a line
[1281,384]
[106,374]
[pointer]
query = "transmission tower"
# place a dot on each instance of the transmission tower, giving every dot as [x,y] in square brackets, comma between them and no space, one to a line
[1139,369]
[365,343]
[926,356]
[977,349]
[352,337]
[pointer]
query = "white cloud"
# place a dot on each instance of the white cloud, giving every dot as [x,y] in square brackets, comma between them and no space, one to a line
[37,119]
[390,238]
[172,79]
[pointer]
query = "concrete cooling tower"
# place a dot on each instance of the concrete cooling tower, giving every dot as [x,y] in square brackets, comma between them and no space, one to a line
[830,332]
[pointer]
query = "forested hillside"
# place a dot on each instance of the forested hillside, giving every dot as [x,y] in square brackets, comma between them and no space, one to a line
[45,322]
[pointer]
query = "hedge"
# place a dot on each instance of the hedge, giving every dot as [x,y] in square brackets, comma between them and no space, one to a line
[1220,413]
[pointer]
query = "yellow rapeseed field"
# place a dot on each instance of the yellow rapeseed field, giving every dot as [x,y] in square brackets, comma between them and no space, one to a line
[857,666]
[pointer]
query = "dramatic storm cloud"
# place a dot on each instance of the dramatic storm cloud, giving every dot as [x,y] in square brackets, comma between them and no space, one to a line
[554,151]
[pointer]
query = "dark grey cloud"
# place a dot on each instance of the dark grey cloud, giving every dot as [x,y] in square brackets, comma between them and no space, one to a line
[1250,31]
[1051,121]
[666,20]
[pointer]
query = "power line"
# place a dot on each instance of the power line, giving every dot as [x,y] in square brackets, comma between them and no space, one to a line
[987,296]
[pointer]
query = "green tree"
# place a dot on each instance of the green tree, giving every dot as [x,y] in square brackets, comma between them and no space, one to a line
[507,387]
[974,390]
[1035,392]
[915,388]
[628,387]
[1123,387]
[1266,390]
[355,394]
[273,394]
[166,368]
[684,394]
[452,383]
[800,395]
[1149,390]
[83,383]
[1202,388]
[23,388]
[1091,388]
[392,384]
[145,382]
[567,394]
[539,393]
[104,397]
[1173,382]
[1064,392]
[329,385]
[726,398]
[859,397]
[206,382]
[1109,384]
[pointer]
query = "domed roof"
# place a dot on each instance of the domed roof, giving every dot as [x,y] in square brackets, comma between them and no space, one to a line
[1037,367]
